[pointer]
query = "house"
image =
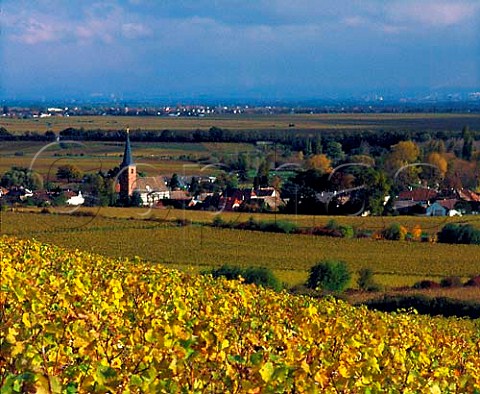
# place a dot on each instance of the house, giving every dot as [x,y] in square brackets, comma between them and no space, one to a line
[234,200]
[251,200]
[76,199]
[268,197]
[152,189]
[436,209]
[414,202]
[406,207]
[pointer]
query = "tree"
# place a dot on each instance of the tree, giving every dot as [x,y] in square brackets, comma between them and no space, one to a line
[319,163]
[98,190]
[261,179]
[467,149]
[437,172]
[20,176]
[334,150]
[226,181]
[136,199]
[440,163]
[174,182]
[317,146]
[397,163]
[69,172]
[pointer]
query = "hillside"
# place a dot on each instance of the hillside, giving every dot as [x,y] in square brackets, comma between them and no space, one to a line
[76,321]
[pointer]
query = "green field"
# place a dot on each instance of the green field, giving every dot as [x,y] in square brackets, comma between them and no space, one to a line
[195,248]
[250,122]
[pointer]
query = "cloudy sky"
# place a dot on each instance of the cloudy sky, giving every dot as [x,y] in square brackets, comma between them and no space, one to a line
[233,48]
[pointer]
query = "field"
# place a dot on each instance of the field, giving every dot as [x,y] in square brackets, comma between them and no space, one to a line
[253,122]
[151,158]
[79,322]
[194,248]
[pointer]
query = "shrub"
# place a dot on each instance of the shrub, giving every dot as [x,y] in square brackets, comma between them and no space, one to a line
[286,227]
[228,271]
[426,305]
[475,281]
[332,225]
[329,275]
[426,284]
[394,232]
[260,276]
[365,280]
[218,222]
[452,281]
[347,231]
[459,234]
[364,233]
[417,232]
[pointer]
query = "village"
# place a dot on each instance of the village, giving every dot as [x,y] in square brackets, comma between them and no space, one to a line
[124,186]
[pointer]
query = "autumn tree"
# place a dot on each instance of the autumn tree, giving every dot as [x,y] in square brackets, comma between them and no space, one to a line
[320,163]
[398,163]
[437,172]
[69,172]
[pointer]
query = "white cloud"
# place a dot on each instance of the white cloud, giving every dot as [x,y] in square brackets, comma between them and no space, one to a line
[434,13]
[135,30]
[97,22]
[33,31]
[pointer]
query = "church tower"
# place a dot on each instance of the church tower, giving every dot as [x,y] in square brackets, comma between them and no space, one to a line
[128,171]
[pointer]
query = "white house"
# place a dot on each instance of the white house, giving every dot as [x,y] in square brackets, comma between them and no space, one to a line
[76,200]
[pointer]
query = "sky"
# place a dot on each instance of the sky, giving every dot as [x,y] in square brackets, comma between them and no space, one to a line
[230,48]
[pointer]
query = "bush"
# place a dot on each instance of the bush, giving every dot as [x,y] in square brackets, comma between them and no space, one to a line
[329,275]
[218,222]
[364,233]
[332,225]
[394,232]
[365,280]
[261,276]
[475,281]
[427,306]
[452,281]
[459,234]
[229,272]
[347,231]
[426,284]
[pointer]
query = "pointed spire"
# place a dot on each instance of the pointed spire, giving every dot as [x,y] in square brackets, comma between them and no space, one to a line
[127,155]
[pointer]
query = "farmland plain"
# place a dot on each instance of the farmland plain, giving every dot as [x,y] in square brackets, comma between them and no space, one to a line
[249,122]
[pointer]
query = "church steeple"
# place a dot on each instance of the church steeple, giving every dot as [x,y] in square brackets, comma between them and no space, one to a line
[128,171]
[127,154]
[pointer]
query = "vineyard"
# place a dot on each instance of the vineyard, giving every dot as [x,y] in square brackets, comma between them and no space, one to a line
[195,248]
[78,322]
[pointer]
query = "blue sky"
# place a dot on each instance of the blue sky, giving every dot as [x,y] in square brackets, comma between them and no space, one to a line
[232,48]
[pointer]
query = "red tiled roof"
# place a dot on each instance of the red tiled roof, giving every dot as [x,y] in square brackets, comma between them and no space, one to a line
[448,203]
[469,195]
[418,195]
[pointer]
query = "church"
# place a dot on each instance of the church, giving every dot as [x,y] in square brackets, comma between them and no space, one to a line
[152,189]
